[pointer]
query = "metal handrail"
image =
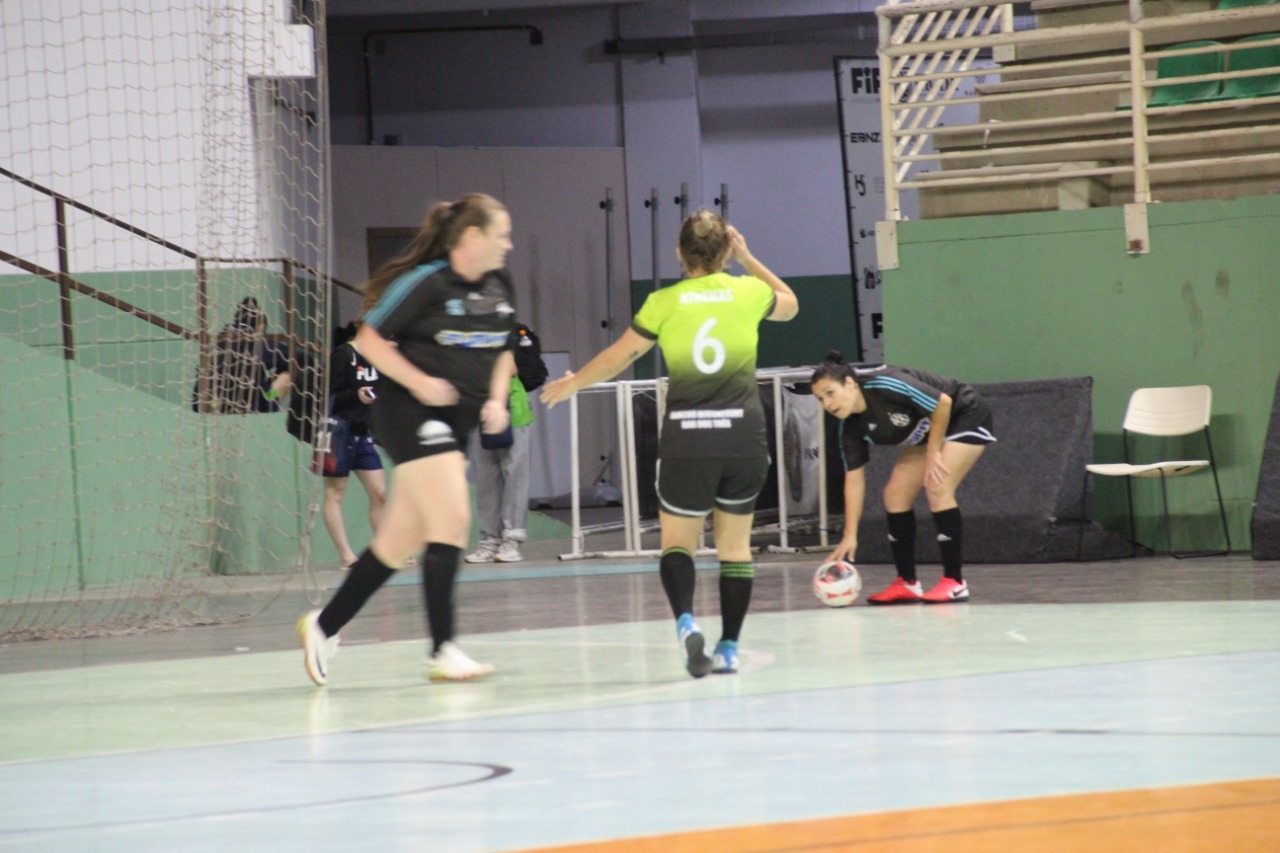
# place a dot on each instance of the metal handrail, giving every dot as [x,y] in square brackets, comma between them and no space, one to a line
[105,217]
[67,282]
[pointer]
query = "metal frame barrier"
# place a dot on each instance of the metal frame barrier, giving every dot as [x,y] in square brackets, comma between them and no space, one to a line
[633,526]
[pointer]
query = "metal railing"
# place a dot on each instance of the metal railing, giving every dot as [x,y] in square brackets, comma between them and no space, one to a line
[633,527]
[68,283]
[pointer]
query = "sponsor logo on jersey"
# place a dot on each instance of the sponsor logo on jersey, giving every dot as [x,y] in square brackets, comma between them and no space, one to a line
[434,432]
[706,296]
[487,303]
[472,340]
[706,418]
[918,434]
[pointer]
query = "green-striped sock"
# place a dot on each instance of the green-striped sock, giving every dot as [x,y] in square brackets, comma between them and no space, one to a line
[735,596]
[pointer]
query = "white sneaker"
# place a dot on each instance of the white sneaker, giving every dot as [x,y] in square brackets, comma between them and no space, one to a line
[317,649]
[453,664]
[484,553]
[509,552]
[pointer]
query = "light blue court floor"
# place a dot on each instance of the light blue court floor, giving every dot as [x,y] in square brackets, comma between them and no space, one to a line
[593,732]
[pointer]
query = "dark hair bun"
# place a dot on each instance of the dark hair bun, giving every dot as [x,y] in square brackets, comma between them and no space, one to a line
[835,356]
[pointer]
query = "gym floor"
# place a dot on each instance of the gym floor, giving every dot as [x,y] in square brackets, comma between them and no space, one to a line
[1125,705]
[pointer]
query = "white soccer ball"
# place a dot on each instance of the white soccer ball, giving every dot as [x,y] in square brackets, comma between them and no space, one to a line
[837,584]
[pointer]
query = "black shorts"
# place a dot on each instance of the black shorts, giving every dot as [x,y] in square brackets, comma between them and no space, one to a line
[693,487]
[972,424]
[407,430]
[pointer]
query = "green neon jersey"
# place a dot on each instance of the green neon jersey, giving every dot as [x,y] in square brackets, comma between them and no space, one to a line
[708,329]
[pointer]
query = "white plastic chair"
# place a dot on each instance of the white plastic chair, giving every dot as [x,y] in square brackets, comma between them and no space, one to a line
[1166,412]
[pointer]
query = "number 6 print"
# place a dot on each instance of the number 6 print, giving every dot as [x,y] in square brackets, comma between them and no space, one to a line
[703,342]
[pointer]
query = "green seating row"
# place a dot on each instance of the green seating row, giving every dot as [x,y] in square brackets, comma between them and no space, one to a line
[1236,4]
[1195,65]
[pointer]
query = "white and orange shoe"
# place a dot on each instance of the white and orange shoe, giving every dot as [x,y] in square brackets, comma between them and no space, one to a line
[898,592]
[947,590]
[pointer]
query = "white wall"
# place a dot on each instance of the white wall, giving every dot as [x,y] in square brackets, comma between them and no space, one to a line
[558,263]
[143,109]
[761,119]
[771,132]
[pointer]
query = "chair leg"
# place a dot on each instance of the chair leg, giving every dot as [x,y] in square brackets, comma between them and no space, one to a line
[1128,491]
[1133,530]
[1168,525]
[1084,516]
[1222,507]
[1221,510]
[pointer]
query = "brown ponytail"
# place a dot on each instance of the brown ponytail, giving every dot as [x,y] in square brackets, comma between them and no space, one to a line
[438,234]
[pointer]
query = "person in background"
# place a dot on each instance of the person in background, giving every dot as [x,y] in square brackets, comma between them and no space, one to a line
[942,426]
[502,467]
[713,452]
[352,384]
[437,326]
[247,372]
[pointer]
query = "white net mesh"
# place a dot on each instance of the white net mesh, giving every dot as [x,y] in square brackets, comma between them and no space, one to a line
[163,237]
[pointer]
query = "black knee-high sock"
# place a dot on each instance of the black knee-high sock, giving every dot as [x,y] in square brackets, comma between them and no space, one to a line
[678,579]
[950,529]
[365,577]
[439,568]
[902,542]
[735,596]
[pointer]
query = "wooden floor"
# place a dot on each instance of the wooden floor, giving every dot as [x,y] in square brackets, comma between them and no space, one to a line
[1117,706]
[1231,816]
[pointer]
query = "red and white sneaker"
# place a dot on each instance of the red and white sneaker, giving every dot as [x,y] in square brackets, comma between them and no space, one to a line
[947,590]
[898,592]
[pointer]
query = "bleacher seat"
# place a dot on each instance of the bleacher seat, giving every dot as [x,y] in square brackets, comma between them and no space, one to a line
[1187,66]
[1248,60]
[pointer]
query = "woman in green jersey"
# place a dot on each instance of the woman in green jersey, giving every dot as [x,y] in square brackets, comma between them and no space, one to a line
[713,453]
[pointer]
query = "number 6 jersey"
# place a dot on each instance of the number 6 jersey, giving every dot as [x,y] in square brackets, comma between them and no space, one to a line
[708,329]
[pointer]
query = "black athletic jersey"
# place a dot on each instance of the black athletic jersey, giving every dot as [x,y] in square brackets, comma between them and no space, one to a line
[447,326]
[900,405]
[348,373]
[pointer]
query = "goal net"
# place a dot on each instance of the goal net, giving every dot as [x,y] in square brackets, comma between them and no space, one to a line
[163,247]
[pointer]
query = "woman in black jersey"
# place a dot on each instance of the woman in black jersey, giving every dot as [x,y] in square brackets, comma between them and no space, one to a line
[437,323]
[942,427]
[351,447]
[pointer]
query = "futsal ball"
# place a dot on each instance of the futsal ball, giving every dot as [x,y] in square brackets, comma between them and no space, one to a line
[837,584]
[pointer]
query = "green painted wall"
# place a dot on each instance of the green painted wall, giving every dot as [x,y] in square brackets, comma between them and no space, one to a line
[1054,294]
[104,485]
[132,351]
